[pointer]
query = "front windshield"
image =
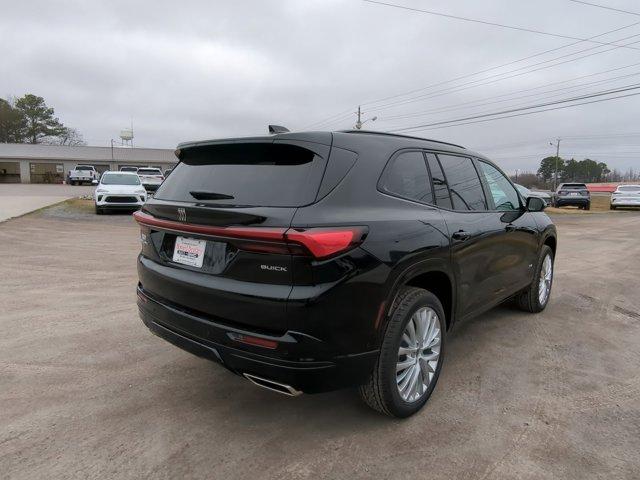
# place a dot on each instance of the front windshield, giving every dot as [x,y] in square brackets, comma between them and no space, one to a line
[119,179]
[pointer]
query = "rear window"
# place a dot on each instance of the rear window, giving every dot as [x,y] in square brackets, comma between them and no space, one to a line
[84,167]
[574,186]
[149,171]
[407,177]
[250,174]
[631,188]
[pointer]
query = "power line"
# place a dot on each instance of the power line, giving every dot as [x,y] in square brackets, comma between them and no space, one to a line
[493,24]
[605,7]
[347,113]
[501,77]
[483,117]
[479,103]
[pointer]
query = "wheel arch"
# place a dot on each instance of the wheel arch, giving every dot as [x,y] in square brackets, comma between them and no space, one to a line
[435,277]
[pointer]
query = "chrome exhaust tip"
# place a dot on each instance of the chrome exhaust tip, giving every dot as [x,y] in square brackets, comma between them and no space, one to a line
[273,386]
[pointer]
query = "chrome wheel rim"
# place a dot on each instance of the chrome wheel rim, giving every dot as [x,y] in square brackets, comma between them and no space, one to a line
[418,354]
[546,274]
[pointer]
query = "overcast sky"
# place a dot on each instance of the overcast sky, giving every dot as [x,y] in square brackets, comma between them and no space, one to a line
[207,69]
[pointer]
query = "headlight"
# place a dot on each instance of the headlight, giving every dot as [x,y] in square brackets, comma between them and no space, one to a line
[100,190]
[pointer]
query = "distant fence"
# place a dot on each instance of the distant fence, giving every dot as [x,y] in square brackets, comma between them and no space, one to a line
[602,187]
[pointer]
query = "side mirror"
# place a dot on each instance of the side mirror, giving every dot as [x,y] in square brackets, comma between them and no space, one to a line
[535,204]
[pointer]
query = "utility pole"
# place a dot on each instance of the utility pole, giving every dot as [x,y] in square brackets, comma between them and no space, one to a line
[361,122]
[555,178]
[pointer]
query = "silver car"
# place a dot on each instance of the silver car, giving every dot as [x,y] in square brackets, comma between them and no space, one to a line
[625,196]
[526,193]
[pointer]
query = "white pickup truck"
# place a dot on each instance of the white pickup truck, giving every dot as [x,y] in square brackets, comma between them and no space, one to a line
[83,173]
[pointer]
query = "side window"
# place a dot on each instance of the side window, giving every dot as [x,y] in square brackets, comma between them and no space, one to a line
[440,189]
[407,177]
[504,195]
[464,183]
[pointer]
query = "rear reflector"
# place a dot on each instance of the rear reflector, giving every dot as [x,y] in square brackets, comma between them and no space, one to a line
[321,243]
[255,341]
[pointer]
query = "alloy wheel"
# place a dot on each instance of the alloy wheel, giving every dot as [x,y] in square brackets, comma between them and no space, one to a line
[418,354]
[546,274]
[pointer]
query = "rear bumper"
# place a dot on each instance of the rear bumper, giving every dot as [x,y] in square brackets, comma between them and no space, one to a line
[572,201]
[299,360]
[150,187]
[625,202]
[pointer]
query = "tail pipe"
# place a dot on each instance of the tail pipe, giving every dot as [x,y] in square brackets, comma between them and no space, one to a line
[274,386]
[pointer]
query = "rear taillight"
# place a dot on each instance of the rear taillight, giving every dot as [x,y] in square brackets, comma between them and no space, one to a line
[327,242]
[321,243]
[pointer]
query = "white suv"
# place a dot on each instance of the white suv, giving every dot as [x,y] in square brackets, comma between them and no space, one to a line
[119,190]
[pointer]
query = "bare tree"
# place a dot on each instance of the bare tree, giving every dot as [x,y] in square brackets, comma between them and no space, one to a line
[69,136]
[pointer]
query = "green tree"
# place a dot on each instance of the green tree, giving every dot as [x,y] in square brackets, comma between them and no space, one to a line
[12,123]
[40,121]
[548,168]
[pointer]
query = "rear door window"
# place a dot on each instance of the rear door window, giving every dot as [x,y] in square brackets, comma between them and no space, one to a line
[407,177]
[464,183]
[440,189]
[245,174]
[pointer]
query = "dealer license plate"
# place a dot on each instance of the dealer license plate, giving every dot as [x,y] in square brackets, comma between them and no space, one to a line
[189,251]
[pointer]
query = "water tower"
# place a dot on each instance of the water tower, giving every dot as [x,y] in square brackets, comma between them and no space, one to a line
[126,135]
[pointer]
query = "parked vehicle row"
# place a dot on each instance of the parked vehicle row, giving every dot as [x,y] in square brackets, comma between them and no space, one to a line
[127,189]
[308,262]
[118,191]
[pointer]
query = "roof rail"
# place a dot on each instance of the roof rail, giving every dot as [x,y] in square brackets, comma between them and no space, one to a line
[373,132]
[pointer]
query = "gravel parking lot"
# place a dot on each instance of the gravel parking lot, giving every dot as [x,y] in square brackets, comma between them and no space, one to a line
[87,392]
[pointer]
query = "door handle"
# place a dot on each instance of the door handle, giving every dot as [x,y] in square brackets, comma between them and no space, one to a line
[461,235]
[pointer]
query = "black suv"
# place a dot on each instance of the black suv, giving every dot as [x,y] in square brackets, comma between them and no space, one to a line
[573,194]
[308,262]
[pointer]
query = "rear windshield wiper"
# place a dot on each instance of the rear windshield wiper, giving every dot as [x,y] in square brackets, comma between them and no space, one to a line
[200,195]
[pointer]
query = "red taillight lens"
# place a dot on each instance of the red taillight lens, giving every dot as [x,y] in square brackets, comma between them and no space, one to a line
[326,242]
[321,243]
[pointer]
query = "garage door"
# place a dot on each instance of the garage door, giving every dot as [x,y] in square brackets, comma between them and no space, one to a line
[46,172]
[9,172]
[101,168]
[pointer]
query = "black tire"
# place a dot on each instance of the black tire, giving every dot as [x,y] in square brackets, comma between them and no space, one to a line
[99,211]
[381,390]
[587,206]
[612,207]
[529,299]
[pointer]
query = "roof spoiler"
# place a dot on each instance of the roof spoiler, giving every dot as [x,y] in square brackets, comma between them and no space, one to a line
[273,129]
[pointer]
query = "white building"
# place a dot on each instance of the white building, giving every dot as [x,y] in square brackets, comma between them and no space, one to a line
[26,163]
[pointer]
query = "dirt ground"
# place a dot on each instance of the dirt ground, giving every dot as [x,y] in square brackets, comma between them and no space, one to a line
[87,392]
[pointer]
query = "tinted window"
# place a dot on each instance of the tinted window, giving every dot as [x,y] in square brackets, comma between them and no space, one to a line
[251,174]
[149,171]
[407,177]
[504,195]
[440,190]
[464,183]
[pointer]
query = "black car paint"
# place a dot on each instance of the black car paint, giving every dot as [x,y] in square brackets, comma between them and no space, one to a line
[329,316]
